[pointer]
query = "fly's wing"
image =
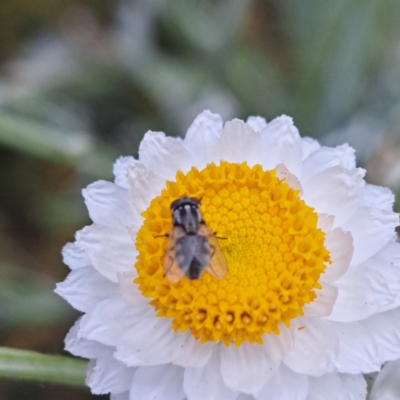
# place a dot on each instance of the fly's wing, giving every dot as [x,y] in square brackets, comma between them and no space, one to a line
[218,265]
[172,271]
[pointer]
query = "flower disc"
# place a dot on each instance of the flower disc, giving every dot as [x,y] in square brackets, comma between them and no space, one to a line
[274,250]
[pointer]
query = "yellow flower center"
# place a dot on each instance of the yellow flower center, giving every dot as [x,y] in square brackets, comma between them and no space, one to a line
[274,251]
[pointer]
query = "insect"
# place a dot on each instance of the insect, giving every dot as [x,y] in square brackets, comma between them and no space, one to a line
[192,247]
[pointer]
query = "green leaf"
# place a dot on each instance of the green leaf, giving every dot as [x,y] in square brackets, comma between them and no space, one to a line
[32,366]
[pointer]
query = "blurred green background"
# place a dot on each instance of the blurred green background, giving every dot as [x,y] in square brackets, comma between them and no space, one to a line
[81,81]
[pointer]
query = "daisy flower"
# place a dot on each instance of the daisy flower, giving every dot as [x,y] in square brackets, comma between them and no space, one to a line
[310,300]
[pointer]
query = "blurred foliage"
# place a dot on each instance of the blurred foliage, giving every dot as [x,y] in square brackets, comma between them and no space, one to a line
[81,81]
[33,366]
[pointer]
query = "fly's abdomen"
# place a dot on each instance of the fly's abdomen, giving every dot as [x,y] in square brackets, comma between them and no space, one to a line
[195,270]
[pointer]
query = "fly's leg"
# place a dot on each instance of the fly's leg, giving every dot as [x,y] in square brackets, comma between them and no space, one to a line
[219,237]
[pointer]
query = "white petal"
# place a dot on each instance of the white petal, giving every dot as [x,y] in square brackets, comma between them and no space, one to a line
[119,396]
[191,353]
[309,145]
[246,368]
[384,327]
[161,382]
[153,342]
[315,347]
[164,155]
[206,382]
[326,387]
[335,191]
[327,157]
[276,346]
[243,396]
[80,347]
[84,288]
[281,144]
[238,143]
[202,136]
[257,123]
[367,344]
[337,387]
[144,185]
[120,170]
[111,250]
[106,375]
[110,319]
[340,246]
[379,197]
[387,383]
[355,386]
[285,385]
[129,290]
[108,205]
[356,353]
[325,222]
[283,173]
[323,304]
[75,257]
[370,287]
[371,229]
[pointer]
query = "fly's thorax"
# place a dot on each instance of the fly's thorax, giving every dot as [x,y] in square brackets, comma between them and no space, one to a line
[188,216]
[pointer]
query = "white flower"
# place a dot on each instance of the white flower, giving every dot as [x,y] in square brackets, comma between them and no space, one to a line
[311,298]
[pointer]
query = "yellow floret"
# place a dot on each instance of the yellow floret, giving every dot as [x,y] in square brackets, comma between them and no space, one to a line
[274,251]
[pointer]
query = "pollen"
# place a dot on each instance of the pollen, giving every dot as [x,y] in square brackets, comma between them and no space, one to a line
[269,236]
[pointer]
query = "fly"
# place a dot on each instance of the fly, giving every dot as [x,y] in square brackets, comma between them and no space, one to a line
[192,247]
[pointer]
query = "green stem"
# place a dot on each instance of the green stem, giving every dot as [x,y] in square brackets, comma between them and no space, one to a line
[29,365]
